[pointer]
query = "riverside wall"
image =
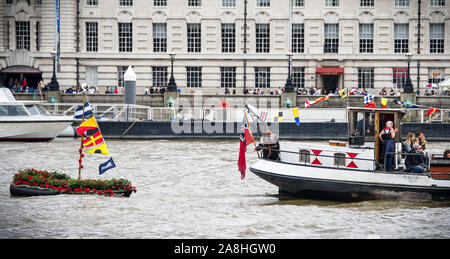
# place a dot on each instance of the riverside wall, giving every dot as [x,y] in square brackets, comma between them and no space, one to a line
[265,101]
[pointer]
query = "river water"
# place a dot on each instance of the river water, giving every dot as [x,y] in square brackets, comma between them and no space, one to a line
[192,189]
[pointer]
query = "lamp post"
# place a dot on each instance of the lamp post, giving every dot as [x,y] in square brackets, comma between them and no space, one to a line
[245,47]
[172,86]
[418,45]
[408,87]
[54,85]
[289,87]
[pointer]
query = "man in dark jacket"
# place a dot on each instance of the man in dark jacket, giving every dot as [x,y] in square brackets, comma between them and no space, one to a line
[414,160]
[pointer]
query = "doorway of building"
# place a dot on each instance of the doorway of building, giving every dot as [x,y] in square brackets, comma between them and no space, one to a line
[330,83]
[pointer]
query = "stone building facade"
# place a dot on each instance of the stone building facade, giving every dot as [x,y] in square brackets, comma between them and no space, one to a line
[335,43]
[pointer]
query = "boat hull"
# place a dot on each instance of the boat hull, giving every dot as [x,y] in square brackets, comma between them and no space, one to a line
[23,190]
[33,131]
[328,188]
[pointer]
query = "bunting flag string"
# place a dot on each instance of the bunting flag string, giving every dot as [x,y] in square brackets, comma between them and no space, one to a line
[369,100]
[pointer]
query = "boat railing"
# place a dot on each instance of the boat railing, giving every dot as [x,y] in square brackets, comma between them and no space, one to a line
[340,160]
[103,111]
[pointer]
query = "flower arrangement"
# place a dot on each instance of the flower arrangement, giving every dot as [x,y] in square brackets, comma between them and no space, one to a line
[63,184]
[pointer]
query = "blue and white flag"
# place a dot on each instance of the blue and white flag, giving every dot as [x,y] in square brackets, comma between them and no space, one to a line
[368,98]
[106,166]
[87,111]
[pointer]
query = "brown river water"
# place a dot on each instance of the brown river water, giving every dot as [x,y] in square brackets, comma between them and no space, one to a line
[192,189]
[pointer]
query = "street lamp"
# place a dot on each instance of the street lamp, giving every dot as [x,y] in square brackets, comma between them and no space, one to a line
[289,87]
[408,87]
[54,85]
[172,86]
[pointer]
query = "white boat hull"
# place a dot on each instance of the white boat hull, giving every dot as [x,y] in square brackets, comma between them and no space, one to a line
[311,181]
[32,129]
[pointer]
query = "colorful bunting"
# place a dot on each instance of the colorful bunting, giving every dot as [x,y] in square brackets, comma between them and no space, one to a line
[87,125]
[296,117]
[431,111]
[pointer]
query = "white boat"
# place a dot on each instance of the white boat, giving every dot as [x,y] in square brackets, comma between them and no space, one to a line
[353,170]
[28,120]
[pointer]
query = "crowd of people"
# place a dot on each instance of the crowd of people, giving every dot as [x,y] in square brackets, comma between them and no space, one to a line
[22,86]
[155,90]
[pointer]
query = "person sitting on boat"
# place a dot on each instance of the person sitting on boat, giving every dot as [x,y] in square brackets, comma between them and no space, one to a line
[387,137]
[414,160]
[410,140]
[446,154]
[269,142]
[420,139]
[360,128]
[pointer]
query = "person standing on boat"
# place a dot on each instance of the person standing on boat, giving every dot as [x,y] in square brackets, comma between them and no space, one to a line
[387,137]
[270,141]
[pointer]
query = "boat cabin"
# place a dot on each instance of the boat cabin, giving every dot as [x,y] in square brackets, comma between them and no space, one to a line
[365,125]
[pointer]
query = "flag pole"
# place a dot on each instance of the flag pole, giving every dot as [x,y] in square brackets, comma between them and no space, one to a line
[81,144]
[250,128]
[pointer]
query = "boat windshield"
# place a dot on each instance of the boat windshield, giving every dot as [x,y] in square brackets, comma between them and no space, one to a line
[32,109]
[41,109]
[12,110]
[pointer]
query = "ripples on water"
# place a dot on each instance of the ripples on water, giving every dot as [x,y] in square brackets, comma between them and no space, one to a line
[192,189]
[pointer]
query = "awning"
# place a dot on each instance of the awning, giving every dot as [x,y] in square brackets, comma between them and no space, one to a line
[329,71]
[20,70]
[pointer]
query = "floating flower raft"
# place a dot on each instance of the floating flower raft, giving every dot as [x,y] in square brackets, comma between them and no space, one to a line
[32,182]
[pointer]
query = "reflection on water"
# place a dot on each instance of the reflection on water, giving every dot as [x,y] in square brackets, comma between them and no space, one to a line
[192,189]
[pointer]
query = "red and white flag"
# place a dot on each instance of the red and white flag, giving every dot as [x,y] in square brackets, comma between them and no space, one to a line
[245,139]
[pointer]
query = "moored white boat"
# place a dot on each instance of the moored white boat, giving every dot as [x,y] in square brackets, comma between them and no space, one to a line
[28,121]
[349,172]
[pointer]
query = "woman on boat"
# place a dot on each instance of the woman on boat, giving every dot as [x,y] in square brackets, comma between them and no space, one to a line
[410,140]
[387,137]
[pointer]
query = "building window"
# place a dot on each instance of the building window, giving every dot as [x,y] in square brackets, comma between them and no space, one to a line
[304,156]
[437,2]
[38,2]
[401,2]
[159,75]
[92,36]
[366,38]
[228,77]
[125,37]
[91,75]
[194,2]
[436,75]
[120,72]
[298,38]
[331,38]
[228,3]
[262,38]
[262,77]
[228,38]
[159,2]
[365,78]
[331,2]
[401,38]
[126,3]
[92,2]
[23,35]
[298,77]
[159,37]
[365,3]
[194,37]
[339,159]
[193,77]
[38,32]
[9,1]
[263,3]
[437,37]
[399,76]
[298,3]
